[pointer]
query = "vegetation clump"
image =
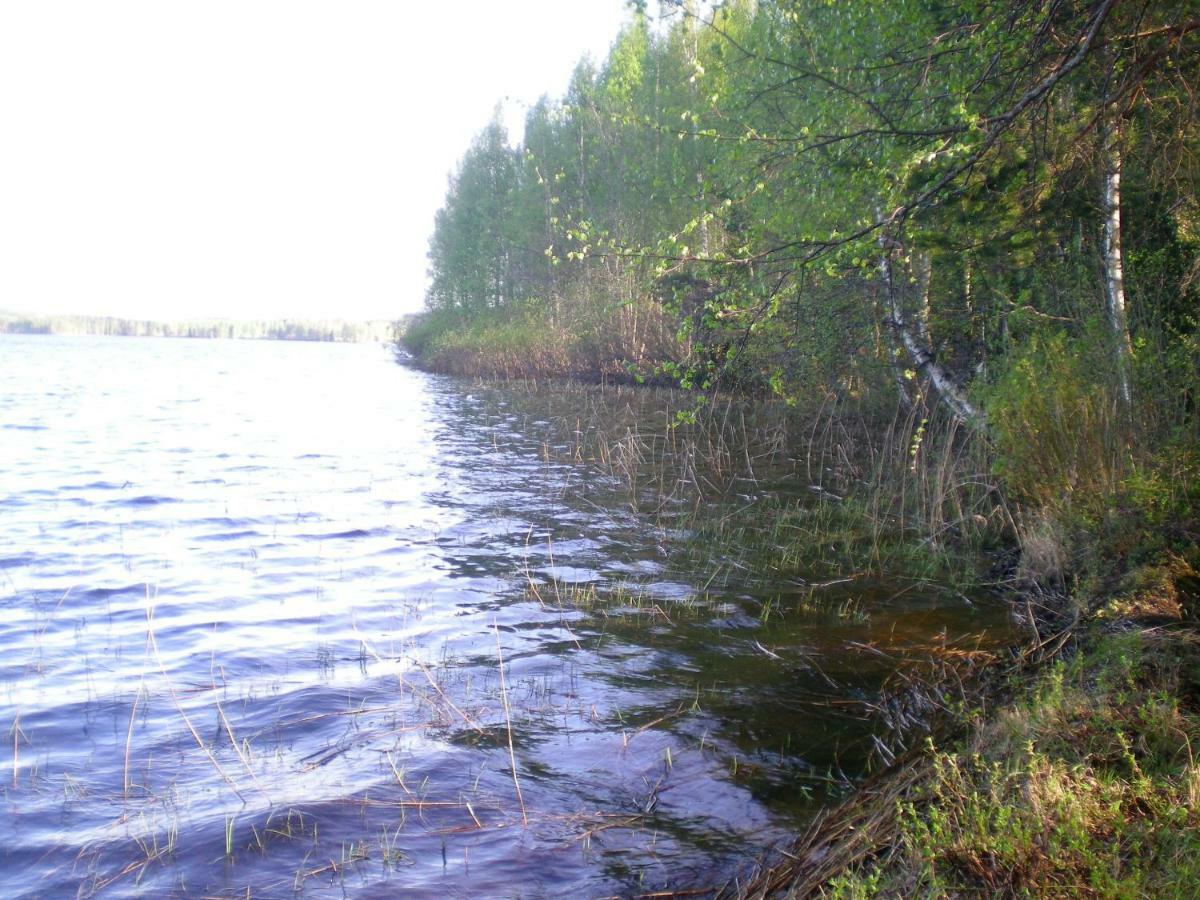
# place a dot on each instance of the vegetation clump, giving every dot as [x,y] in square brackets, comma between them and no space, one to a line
[1084,782]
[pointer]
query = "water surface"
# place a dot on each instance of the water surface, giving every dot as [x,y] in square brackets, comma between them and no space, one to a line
[277,619]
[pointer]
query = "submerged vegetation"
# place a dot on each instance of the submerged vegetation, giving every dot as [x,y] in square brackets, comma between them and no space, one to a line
[954,251]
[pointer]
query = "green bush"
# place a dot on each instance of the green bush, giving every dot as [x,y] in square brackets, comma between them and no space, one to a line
[1057,423]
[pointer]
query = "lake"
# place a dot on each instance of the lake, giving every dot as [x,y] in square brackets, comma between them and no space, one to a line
[285,619]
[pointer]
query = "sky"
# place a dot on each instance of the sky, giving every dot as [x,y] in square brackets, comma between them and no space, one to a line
[254,158]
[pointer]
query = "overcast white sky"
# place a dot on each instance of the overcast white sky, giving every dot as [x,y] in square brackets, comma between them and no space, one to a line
[252,158]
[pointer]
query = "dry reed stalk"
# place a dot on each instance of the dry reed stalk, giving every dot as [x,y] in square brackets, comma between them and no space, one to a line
[663,718]
[433,683]
[238,750]
[129,736]
[179,706]
[129,869]
[842,838]
[512,756]
[533,589]
[16,736]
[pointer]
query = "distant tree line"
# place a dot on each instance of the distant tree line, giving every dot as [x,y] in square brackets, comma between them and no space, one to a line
[263,329]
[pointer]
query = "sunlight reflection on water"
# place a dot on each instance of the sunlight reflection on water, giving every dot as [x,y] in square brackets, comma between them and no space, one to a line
[250,599]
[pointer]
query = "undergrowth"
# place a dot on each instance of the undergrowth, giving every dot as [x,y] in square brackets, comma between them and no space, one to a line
[1085,782]
[1078,776]
[618,342]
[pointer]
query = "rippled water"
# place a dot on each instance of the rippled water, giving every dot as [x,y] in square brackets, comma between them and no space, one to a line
[267,629]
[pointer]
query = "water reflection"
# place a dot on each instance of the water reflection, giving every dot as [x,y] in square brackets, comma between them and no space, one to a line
[253,599]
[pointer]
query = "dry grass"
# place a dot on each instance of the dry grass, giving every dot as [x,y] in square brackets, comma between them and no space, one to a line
[1086,784]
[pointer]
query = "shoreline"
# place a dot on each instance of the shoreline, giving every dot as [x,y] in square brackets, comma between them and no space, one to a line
[1047,786]
[1060,716]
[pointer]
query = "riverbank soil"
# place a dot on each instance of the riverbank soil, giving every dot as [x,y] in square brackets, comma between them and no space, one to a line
[1077,775]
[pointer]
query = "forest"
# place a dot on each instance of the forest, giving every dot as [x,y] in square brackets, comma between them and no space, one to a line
[968,231]
[810,197]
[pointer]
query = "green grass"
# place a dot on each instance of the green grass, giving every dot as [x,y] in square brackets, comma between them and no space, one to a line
[1086,783]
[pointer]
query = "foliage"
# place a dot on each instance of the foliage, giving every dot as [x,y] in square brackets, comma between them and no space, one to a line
[752,165]
[877,206]
[1085,786]
[1057,428]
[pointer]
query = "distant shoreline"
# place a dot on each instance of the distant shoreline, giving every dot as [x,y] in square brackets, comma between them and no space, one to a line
[320,330]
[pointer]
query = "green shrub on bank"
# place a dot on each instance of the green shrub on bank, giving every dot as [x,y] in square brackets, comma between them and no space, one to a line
[1089,786]
[1101,487]
[1058,428]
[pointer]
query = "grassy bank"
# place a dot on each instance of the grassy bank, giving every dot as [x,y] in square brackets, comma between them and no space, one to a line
[1075,773]
[618,343]
[1070,769]
[973,281]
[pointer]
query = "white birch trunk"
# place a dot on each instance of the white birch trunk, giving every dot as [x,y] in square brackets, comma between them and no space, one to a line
[885,273]
[920,354]
[694,95]
[924,266]
[1114,274]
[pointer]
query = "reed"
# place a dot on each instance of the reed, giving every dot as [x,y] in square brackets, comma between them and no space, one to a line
[910,493]
[512,757]
[798,508]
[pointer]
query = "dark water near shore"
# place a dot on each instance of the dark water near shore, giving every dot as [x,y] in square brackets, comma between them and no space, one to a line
[254,599]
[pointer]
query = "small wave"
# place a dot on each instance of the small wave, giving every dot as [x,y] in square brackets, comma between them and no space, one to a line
[221,522]
[16,426]
[68,524]
[97,486]
[228,535]
[400,549]
[103,593]
[146,500]
[334,535]
[13,562]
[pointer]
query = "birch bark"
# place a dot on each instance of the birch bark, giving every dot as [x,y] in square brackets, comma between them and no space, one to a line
[922,355]
[1114,270]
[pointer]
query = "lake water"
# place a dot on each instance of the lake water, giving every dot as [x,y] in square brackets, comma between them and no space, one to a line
[278,619]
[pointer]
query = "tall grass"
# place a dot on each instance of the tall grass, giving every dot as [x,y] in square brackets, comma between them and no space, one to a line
[805,494]
[615,342]
[1098,488]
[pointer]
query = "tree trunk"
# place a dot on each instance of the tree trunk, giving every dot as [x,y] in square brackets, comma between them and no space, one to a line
[924,266]
[694,95]
[920,354]
[894,351]
[1114,275]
